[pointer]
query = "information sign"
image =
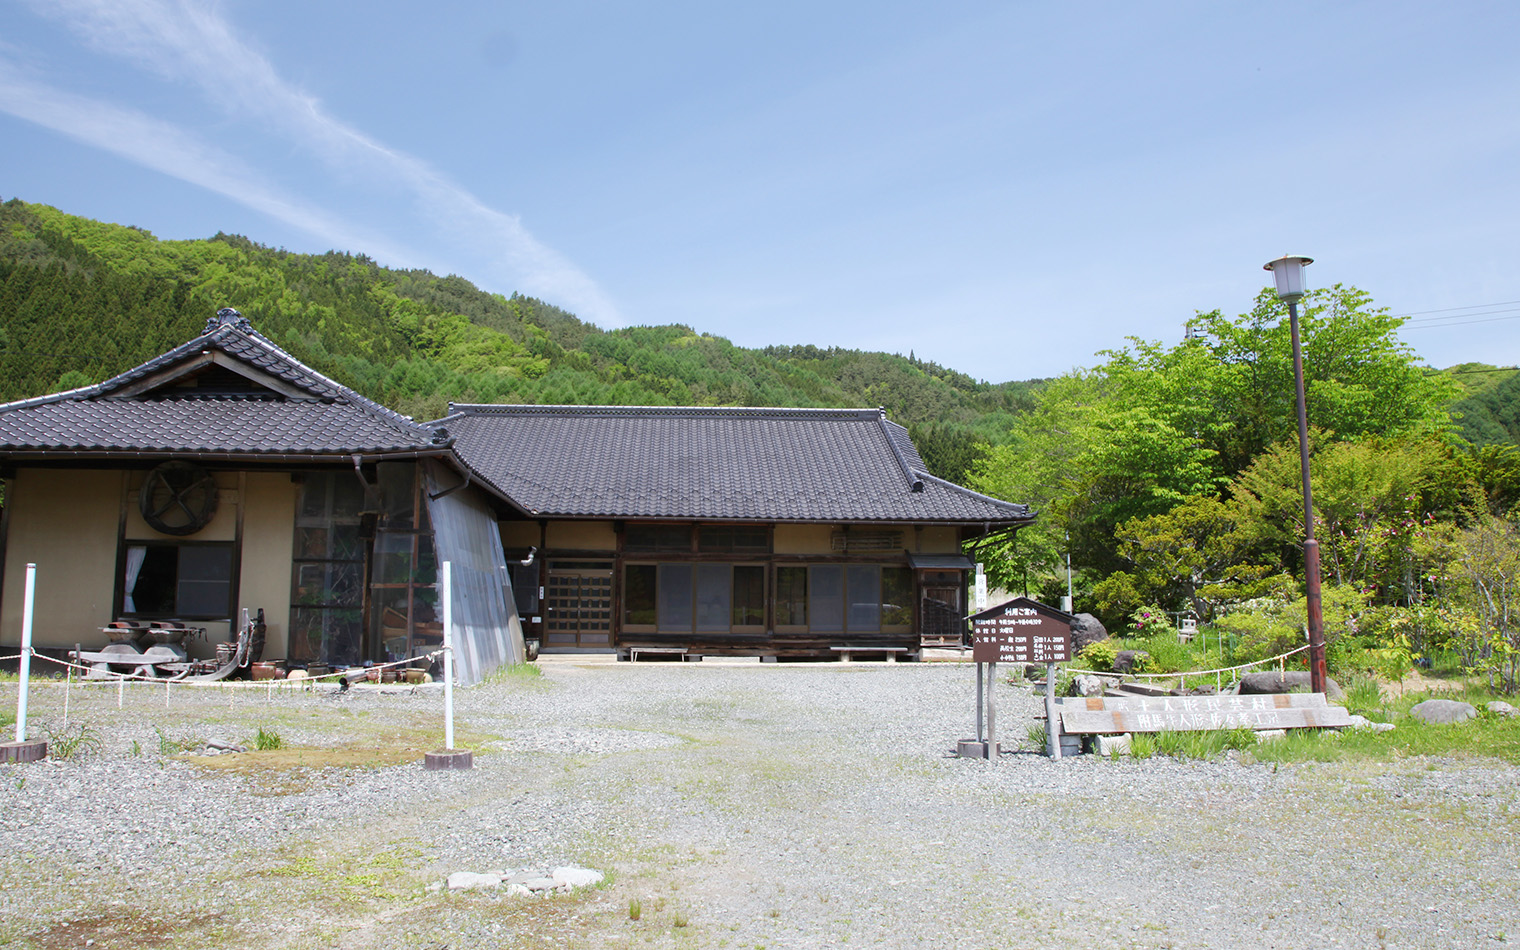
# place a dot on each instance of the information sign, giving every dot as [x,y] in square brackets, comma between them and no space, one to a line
[1018,634]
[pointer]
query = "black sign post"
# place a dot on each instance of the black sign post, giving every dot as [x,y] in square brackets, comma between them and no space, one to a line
[1020,631]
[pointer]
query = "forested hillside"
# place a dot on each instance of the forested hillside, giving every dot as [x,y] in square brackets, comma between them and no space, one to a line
[81,300]
[1168,474]
[1489,408]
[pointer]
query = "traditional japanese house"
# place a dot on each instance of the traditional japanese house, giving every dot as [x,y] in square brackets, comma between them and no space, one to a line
[771,532]
[225,475]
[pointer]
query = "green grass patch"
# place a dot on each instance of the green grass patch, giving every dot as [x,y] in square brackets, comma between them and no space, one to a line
[514,673]
[379,876]
[1487,736]
[65,742]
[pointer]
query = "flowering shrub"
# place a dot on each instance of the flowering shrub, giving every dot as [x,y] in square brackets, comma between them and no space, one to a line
[1148,621]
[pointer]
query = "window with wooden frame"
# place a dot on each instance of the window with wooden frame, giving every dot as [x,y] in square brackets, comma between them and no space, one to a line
[685,597]
[183,580]
[844,599]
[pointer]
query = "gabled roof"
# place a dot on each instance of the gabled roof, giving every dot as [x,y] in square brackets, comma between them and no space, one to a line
[721,464]
[228,392]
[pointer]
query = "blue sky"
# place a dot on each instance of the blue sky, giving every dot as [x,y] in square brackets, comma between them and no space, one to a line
[1002,187]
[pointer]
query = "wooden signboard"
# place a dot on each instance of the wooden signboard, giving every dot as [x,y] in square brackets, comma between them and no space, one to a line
[1021,631]
[1105,714]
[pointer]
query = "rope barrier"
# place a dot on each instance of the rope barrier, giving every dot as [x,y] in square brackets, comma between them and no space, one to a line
[102,677]
[1223,669]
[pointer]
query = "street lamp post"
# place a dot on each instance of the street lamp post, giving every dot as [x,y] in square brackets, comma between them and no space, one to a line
[1289,274]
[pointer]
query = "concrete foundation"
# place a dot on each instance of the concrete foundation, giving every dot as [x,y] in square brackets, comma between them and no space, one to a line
[33,750]
[975,749]
[448,759]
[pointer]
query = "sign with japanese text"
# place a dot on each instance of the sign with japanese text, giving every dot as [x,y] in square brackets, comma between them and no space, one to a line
[1020,631]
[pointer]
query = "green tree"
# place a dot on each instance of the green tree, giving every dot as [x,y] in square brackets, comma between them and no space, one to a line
[1372,500]
[1204,553]
[1487,571]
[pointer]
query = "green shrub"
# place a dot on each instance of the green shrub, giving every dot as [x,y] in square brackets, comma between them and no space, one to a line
[1099,656]
[1149,621]
[267,740]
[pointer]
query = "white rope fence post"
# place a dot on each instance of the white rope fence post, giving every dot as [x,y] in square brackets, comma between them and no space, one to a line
[23,750]
[449,757]
[28,601]
[448,657]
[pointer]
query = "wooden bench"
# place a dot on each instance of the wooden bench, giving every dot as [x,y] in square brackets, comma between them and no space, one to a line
[846,653]
[1108,714]
[634,651]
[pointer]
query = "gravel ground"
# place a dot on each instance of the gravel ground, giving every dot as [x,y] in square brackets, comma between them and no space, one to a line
[735,805]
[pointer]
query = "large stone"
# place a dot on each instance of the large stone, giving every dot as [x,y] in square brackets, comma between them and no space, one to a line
[1115,745]
[1443,711]
[1128,661]
[1084,684]
[577,877]
[1086,629]
[1500,708]
[1293,681]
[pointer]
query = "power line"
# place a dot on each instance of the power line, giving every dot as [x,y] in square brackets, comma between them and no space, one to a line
[1476,306]
[1462,316]
[1460,323]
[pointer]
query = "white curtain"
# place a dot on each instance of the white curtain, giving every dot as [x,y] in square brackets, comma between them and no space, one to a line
[135,556]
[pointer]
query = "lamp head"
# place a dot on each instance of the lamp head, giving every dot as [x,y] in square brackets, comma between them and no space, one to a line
[1288,271]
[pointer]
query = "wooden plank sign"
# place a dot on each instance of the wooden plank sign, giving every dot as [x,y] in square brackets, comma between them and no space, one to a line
[1163,713]
[1021,631]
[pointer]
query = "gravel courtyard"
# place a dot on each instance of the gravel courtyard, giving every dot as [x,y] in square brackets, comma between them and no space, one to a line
[731,805]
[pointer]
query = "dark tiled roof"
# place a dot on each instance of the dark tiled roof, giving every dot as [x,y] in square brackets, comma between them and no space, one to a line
[310,415]
[848,465]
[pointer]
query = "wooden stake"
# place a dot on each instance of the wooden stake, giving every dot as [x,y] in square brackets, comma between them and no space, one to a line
[1052,718]
[992,746]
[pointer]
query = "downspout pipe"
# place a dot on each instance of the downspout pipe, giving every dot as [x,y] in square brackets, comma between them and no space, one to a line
[468,477]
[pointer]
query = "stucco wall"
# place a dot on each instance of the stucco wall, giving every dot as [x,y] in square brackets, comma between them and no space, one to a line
[519,534]
[938,540]
[803,538]
[64,522]
[268,540]
[581,536]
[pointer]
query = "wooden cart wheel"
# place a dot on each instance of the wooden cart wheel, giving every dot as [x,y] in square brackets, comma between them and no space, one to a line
[178,498]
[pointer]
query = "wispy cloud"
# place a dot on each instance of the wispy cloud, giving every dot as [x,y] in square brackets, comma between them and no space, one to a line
[191,43]
[166,148]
